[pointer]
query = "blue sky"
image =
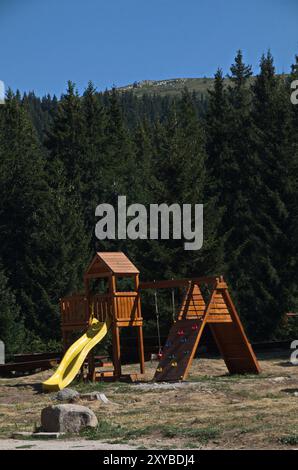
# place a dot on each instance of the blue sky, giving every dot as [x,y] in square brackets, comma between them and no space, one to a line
[44,43]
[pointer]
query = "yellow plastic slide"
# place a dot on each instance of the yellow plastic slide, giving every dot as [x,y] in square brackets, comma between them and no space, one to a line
[74,357]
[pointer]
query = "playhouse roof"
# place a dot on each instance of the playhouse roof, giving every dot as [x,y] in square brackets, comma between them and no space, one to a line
[113,262]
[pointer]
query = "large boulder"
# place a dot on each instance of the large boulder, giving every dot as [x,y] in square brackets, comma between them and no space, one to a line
[67,418]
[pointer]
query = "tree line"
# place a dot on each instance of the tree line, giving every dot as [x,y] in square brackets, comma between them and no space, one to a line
[236,152]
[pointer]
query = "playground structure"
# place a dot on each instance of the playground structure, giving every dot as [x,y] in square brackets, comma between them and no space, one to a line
[97,313]
[214,308]
[206,301]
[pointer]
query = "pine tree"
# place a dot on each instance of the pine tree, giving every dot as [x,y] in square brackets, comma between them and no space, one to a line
[25,217]
[12,331]
[119,167]
[293,203]
[67,176]
[180,169]
[217,130]
[266,252]
[94,158]
[66,139]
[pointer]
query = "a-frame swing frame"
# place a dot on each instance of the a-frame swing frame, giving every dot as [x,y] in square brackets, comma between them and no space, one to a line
[220,313]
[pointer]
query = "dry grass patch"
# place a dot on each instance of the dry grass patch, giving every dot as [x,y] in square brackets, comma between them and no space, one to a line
[214,410]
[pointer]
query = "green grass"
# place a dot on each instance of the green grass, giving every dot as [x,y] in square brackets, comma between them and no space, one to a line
[174,87]
[120,434]
[26,446]
[192,445]
[83,387]
[289,440]
[273,396]
[202,435]
[259,417]
[108,430]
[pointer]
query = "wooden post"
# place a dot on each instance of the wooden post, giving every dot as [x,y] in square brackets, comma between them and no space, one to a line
[116,329]
[64,335]
[140,329]
[91,360]
[116,352]
[141,349]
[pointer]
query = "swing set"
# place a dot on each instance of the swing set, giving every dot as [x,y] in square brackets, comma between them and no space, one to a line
[206,301]
[159,355]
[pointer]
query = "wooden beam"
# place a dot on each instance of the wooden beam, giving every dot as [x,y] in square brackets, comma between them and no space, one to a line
[178,282]
[97,275]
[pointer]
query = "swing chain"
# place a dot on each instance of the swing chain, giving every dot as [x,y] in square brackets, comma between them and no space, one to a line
[157,321]
[173,305]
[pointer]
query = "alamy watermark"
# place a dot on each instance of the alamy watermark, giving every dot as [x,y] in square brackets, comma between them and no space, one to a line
[294,94]
[2,92]
[185,221]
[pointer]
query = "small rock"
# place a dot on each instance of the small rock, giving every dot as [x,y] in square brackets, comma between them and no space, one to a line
[95,396]
[47,435]
[20,434]
[67,394]
[67,418]
[279,379]
[75,400]
[90,396]
[37,435]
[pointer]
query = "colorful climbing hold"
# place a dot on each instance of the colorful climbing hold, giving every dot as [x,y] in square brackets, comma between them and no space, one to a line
[183,340]
[174,363]
[180,333]
[168,344]
[159,369]
[194,327]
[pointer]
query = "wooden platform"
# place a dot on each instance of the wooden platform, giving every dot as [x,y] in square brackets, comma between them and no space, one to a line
[109,376]
[28,366]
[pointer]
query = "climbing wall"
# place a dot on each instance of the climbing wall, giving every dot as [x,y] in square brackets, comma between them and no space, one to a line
[178,350]
[183,338]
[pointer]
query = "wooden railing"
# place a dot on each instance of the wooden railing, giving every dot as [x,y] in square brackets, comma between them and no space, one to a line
[74,310]
[102,306]
[127,306]
[122,306]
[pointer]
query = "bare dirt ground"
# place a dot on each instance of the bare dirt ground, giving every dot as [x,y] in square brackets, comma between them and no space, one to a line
[211,411]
